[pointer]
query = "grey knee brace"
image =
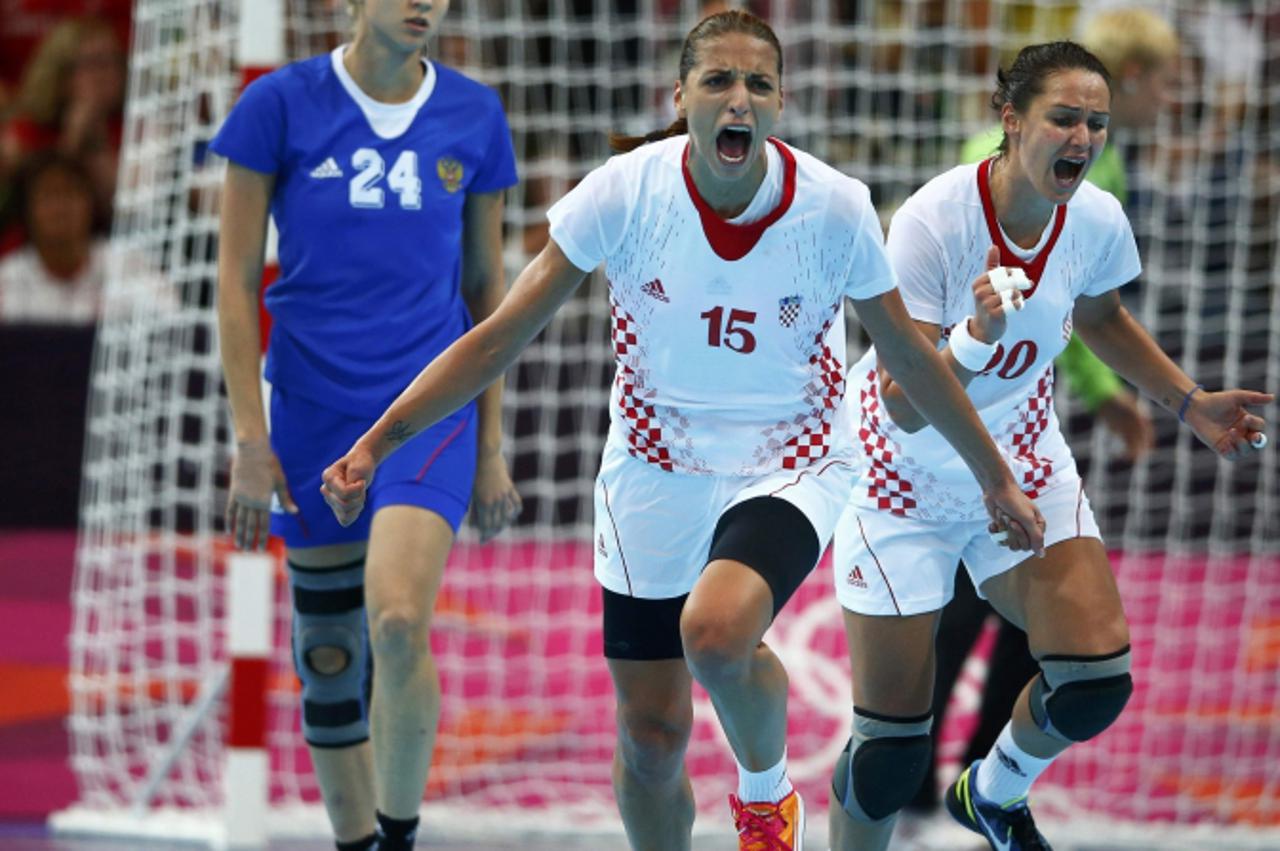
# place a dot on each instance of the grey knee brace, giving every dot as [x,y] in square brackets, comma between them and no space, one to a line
[1077,697]
[328,614]
[883,765]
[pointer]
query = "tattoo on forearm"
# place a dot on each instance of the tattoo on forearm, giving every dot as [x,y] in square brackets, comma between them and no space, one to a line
[399,432]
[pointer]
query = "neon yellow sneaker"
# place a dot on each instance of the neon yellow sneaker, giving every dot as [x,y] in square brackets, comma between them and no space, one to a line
[1006,828]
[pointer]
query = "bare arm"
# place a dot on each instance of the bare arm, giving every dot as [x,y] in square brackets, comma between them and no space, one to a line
[242,239]
[923,377]
[458,375]
[255,471]
[494,500]
[1111,332]
[481,355]
[1218,419]
[483,287]
[904,414]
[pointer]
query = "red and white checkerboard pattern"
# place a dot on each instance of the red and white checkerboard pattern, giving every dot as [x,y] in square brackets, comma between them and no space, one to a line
[824,394]
[888,489]
[644,436]
[1024,434]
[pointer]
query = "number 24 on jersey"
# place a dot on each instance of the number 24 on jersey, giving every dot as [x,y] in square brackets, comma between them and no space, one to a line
[403,179]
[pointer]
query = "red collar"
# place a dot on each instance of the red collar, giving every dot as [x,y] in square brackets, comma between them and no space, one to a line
[730,241]
[1034,268]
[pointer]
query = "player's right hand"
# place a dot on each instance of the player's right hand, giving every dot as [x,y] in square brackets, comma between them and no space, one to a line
[346,482]
[255,476]
[994,297]
[1015,517]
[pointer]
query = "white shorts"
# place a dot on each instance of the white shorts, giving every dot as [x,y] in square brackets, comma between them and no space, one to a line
[891,565]
[653,528]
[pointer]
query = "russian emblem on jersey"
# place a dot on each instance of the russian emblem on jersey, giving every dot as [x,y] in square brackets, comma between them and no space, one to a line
[450,173]
[327,170]
[654,288]
[789,310]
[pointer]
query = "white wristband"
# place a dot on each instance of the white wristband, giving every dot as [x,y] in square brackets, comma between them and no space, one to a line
[971,354]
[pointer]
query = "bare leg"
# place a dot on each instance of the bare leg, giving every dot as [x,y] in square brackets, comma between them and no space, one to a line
[1069,604]
[655,719]
[892,660]
[345,775]
[408,547]
[723,623]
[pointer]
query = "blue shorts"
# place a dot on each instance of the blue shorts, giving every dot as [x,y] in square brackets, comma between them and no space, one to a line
[435,470]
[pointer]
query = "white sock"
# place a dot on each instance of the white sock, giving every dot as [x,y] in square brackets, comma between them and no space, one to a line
[1007,772]
[771,785]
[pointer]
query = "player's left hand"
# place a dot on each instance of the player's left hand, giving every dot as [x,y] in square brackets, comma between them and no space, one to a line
[1223,423]
[346,482]
[494,500]
[1016,523]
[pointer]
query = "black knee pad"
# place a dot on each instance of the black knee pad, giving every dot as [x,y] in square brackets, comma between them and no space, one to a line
[883,765]
[641,629]
[1077,697]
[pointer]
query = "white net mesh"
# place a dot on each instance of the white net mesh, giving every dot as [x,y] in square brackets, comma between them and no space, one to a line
[884,89]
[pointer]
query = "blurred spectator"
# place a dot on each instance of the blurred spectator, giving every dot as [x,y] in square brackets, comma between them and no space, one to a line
[71,100]
[57,277]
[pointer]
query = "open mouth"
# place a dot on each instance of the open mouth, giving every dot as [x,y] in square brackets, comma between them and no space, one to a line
[733,143]
[1067,170]
[419,24]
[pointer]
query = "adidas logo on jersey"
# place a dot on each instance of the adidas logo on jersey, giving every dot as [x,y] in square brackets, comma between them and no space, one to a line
[326,169]
[855,578]
[654,288]
[601,548]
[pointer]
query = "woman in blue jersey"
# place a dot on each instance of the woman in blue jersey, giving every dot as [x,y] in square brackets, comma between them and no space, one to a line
[730,256]
[384,173]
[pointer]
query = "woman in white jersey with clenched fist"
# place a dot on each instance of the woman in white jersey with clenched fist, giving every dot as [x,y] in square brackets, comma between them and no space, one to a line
[997,262]
[729,458]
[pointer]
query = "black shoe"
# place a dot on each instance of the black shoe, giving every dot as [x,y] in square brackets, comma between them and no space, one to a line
[1007,828]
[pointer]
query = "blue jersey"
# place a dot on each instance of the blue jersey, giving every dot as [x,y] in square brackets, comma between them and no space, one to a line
[368,201]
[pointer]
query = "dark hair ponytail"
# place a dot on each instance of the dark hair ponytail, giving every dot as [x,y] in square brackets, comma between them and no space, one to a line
[1024,81]
[710,27]
[620,144]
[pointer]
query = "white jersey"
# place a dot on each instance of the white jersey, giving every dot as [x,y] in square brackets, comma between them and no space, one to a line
[729,335]
[938,242]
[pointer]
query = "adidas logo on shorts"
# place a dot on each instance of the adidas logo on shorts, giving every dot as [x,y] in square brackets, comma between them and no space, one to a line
[601,549]
[855,578]
[326,169]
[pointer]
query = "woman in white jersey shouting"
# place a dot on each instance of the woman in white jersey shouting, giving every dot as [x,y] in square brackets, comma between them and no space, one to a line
[729,257]
[997,262]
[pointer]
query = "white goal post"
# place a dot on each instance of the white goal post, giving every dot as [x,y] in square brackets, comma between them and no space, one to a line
[886,90]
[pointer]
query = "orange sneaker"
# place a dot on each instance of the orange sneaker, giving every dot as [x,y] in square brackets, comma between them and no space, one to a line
[763,826]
